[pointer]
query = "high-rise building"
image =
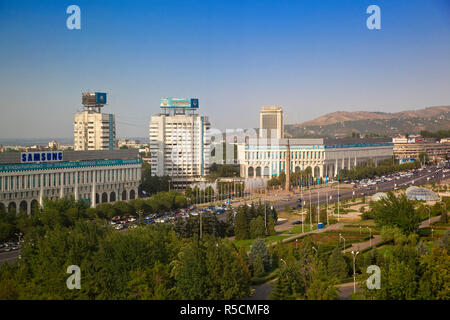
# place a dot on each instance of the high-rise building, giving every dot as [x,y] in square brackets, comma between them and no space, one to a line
[94,130]
[179,142]
[271,122]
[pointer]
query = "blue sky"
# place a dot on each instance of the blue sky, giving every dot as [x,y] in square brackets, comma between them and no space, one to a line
[311,57]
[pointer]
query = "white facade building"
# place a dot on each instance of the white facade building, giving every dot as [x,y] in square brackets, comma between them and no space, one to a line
[180,147]
[93,176]
[325,157]
[94,131]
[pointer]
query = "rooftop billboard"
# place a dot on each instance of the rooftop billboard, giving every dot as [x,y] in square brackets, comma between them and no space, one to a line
[179,103]
[93,98]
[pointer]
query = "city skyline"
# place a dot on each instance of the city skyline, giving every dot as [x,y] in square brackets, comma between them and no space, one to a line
[310,58]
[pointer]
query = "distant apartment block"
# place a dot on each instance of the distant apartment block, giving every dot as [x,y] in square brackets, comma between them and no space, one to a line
[94,130]
[179,142]
[271,122]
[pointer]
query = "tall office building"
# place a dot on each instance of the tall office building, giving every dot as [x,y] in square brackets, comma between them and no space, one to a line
[271,123]
[94,130]
[179,142]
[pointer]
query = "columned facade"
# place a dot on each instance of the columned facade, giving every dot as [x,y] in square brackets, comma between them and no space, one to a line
[25,186]
[324,157]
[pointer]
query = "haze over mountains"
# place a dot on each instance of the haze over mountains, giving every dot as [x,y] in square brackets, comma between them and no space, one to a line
[343,123]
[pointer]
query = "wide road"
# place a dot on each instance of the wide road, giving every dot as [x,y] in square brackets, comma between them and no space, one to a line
[9,257]
[419,177]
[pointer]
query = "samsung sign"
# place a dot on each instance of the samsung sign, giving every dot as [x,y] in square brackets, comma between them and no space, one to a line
[28,157]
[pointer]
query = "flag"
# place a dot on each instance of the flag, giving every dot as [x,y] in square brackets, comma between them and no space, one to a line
[301,180]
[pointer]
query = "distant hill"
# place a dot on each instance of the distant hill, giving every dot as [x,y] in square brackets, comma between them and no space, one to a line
[343,123]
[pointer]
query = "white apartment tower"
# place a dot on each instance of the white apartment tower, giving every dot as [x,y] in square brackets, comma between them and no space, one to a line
[271,122]
[94,130]
[179,142]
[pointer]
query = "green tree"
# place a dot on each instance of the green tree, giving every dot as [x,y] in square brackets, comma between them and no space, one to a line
[396,211]
[257,227]
[259,249]
[289,284]
[258,267]
[435,280]
[322,286]
[241,227]
[337,267]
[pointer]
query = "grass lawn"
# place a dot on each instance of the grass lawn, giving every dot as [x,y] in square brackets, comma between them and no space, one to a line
[332,238]
[363,223]
[298,229]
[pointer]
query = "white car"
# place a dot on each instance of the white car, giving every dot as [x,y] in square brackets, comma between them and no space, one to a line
[118,227]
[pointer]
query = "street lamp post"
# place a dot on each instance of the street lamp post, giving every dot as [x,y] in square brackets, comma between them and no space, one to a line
[139,213]
[429,215]
[340,236]
[354,270]
[370,237]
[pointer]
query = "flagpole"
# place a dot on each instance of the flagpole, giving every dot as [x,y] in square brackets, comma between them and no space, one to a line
[302,202]
[338,196]
[318,208]
[310,211]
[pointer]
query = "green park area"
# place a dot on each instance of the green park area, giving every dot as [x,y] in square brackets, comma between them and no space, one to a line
[172,261]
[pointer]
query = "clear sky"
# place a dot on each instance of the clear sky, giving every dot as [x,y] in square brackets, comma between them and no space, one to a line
[311,57]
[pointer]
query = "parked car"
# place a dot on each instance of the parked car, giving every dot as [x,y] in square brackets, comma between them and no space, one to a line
[297,222]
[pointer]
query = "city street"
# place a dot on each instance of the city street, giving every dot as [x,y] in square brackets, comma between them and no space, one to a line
[418,178]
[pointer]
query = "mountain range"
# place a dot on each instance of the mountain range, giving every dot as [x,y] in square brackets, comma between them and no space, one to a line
[365,123]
